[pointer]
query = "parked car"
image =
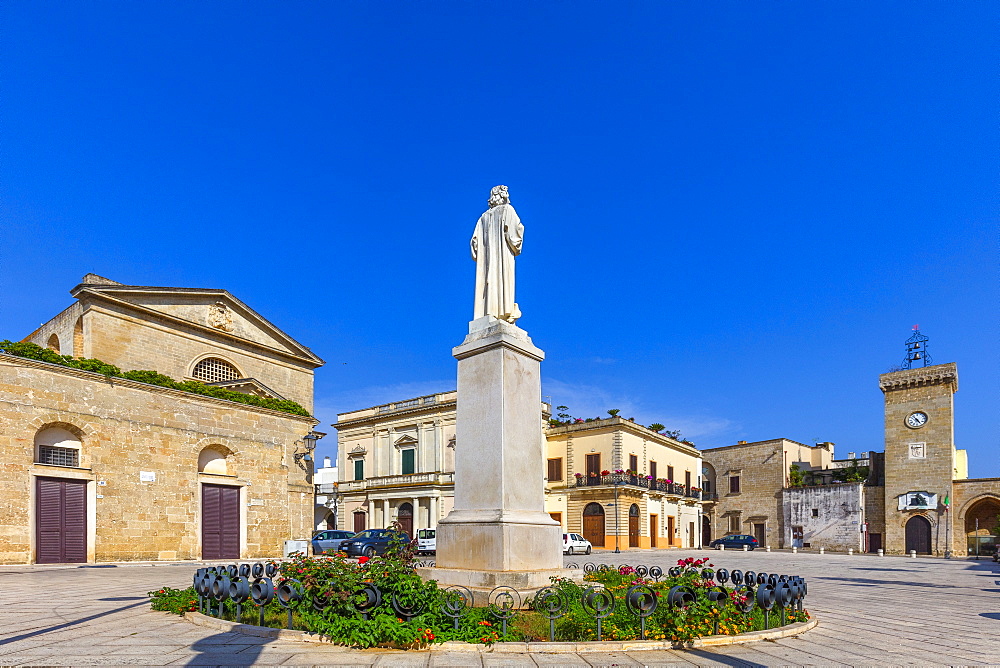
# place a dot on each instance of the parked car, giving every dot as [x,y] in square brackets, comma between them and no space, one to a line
[574,543]
[736,540]
[426,541]
[371,542]
[329,540]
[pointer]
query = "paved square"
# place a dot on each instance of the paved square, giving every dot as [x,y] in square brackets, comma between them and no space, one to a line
[872,611]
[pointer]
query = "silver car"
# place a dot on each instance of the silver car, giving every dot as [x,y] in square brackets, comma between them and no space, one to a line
[329,540]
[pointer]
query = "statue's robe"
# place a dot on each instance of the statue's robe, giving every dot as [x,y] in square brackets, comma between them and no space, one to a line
[495,243]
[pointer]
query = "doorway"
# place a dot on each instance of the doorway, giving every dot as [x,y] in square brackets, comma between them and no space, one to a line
[593,524]
[359,521]
[60,520]
[594,468]
[874,542]
[760,533]
[654,530]
[691,534]
[633,526]
[706,531]
[671,529]
[405,517]
[220,522]
[918,535]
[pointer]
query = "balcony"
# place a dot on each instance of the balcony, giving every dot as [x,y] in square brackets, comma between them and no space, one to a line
[407,480]
[672,488]
[328,488]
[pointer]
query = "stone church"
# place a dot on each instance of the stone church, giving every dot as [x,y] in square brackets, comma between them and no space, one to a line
[98,466]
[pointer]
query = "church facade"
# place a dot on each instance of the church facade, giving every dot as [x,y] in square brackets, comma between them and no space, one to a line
[103,467]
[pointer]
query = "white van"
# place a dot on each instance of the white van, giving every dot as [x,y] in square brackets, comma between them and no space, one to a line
[426,541]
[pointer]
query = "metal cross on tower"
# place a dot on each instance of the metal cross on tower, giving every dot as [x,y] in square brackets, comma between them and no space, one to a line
[916,350]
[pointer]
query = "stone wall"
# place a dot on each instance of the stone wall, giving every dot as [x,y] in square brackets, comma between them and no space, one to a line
[830,516]
[126,428]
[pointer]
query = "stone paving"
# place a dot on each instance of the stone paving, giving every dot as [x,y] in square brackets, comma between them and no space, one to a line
[872,611]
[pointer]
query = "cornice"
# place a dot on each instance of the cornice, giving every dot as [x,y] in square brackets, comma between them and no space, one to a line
[939,374]
[125,382]
[423,409]
[626,425]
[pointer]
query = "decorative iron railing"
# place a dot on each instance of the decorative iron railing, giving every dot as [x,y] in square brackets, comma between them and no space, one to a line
[232,591]
[638,481]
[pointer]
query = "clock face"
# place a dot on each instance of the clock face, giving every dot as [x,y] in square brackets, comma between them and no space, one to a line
[916,420]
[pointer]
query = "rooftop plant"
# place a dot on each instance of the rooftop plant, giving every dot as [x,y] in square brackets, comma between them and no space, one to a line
[36,352]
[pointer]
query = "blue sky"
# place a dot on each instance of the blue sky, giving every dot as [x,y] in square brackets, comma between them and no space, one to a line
[734,212]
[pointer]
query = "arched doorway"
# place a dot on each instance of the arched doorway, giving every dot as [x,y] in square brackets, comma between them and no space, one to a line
[981,519]
[593,524]
[405,517]
[633,526]
[918,535]
[706,531]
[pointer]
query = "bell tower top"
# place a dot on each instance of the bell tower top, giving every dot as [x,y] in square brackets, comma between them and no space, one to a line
[916,350]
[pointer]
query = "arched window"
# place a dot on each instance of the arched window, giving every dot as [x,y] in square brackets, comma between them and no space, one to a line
[213,460]
[53,343]
[57,446]
[214,370]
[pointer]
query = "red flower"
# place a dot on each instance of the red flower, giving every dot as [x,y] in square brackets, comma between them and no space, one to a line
[362,561]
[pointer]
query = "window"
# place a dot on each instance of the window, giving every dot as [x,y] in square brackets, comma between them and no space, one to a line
[815,512]
[670,474]
[707,485]
[652,469]
[58,446]
[214,370]
[734,523]
[409,461]
[56,456]
[555,469]
[359,469]
[633,463]
[734,484]
[213,460]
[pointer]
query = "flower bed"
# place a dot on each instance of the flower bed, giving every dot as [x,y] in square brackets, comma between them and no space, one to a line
[382,602]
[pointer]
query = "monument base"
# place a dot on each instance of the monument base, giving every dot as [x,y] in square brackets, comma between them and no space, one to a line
[481,583]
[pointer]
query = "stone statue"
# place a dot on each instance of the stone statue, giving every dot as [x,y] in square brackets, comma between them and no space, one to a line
[495,243]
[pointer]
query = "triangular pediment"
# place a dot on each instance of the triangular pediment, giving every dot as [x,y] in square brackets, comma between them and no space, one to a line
[405,439]
[214,312]
[358,451]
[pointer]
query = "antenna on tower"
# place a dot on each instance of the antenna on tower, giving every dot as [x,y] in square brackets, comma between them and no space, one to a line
[916,350]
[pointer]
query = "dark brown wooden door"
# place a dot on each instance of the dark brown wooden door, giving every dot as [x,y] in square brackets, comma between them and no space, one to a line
[760,534]
[918,535]
[593,524]
[706,531]
[874,542]
[405,516]
[654,530]
[61,520]
[359,522]
[670,529]
[220,522]
[633,526]
[593,465]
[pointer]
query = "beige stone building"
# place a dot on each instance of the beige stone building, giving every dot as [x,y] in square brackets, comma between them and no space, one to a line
[622,485]
[746,480]
[101,468]
[396,464]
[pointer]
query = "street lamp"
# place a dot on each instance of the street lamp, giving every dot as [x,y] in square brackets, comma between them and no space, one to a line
[615,484]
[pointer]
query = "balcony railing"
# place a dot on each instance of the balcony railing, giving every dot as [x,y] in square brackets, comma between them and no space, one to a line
[638,481]
[326,488]
[409,479]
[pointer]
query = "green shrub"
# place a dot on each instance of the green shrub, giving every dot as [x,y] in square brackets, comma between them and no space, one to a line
[177,601]
[36,352]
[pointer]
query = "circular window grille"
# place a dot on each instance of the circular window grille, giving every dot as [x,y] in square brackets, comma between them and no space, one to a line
[213,370]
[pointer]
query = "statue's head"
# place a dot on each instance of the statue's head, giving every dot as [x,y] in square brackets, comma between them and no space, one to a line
[498,196]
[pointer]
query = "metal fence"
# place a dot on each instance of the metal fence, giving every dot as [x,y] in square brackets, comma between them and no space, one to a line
[247,586]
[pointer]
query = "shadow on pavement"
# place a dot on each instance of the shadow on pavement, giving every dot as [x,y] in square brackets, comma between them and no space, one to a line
[57,627]
[212,652]
[723,659]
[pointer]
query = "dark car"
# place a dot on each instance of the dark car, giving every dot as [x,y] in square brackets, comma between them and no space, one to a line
[736,540]
[371,542]
[329,540]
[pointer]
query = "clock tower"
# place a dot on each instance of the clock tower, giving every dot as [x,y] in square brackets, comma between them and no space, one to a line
[919,456]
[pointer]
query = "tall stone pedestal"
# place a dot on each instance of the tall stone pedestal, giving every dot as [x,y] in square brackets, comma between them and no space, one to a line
[499,532]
